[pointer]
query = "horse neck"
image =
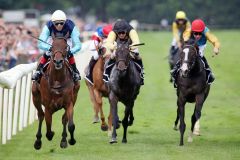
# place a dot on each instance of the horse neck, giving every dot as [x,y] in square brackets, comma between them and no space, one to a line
[132,73]
[198,67]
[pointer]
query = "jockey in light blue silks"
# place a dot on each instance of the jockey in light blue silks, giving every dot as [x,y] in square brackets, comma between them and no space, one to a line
[60,26]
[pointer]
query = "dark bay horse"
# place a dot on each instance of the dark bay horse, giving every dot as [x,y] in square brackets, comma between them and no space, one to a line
[97,91]
[191,86]
[55,91]
[124,85]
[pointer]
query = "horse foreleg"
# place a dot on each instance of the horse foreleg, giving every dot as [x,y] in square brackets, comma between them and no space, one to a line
[94,103]
[38,142]
[195,128]
[71,125]
[181,106]
[113,103]
[176,121]
[63,143]
[125,123]
[48,119]
[98,98]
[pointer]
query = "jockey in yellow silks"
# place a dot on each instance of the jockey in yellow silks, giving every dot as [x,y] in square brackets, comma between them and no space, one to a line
[123,31]
[180,27]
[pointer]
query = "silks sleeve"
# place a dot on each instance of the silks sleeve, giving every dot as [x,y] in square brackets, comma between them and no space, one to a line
[213,39]
[76,41]
[44,36]
[187,32]
[110,41]
[175,31]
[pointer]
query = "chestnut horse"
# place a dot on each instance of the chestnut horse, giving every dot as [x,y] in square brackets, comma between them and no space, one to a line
[97,91]
[55,91]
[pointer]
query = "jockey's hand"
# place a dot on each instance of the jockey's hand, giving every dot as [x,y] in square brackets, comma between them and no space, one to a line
[216,50]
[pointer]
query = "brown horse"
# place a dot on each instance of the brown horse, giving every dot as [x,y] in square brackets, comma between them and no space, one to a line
[55,91]
[97,91]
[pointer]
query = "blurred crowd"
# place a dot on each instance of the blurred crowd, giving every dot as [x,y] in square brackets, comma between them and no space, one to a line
[17,47]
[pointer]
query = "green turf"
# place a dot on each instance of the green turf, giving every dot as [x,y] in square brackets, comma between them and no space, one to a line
[151,136]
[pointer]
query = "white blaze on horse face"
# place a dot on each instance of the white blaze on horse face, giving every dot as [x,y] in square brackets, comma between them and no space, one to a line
[184,65]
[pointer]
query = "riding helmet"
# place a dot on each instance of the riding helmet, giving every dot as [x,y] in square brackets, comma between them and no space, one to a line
[198,25]
[121,26]
[58,15]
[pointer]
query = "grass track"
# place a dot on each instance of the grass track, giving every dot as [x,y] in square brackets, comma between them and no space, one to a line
[151,136]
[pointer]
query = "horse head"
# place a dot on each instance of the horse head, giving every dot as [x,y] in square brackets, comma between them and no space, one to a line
[59,50]
[188,58]
[122,56]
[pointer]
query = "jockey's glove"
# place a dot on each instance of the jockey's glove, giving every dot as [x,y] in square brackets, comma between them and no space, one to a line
[216,50]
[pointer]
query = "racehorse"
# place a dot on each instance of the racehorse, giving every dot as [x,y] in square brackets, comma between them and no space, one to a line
[191,86]
[97,91]
[124,85]
[56,90]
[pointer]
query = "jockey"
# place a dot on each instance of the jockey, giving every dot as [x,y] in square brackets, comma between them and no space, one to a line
[60,26]
[180,27]
[122,31]
[201,34]
[96,47]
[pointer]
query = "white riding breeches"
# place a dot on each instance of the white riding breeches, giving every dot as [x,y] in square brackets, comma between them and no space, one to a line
[201,49]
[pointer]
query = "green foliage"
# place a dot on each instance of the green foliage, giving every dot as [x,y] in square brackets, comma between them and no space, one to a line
[151,137]
[214,12]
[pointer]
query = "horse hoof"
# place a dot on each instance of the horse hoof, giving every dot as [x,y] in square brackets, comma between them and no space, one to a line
[175,127]
[124,140]
[71,141]
[50,135]
[196,133]
[96,120]
[104,127]
[37,144]
[63,144]
[114,140]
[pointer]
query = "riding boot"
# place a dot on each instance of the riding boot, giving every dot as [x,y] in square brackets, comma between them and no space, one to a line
[38,74]
[173,51]
[210,76]
[107,69]
[139,61]
[89,76]
[76,74]
[174,73]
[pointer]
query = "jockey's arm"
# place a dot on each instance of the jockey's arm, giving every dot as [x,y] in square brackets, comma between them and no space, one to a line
[187,32]
[110,45]
[44,36]
[77,45]
[135,40]
[213,39]
[175,31]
